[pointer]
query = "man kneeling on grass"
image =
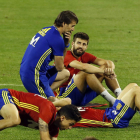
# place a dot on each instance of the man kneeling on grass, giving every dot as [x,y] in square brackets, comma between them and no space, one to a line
[14,103]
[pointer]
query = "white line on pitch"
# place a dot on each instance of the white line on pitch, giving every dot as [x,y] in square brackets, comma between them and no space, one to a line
[10,85]
[19,85]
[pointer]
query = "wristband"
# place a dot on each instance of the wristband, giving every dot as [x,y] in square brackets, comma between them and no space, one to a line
[51,72]
[68,45]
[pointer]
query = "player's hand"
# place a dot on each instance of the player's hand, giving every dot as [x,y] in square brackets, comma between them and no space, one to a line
[109,72]
[58,108]
[67,38]
[112,76]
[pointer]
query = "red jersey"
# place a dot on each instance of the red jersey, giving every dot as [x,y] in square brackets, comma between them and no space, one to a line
[36,107]
[92,118]
[85,58]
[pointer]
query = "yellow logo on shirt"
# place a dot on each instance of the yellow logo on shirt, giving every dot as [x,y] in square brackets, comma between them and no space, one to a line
[118,106]
[43,32]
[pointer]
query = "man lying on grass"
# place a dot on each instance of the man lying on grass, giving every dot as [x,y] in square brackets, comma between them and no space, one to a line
[14,103]
[117,116]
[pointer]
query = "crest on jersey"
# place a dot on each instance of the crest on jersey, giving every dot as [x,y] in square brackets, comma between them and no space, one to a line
[118,107]
[70,82]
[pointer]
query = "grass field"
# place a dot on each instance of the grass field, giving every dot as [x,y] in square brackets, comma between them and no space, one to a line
[113,27]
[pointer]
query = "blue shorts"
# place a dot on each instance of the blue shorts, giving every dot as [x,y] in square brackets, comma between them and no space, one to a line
[78,98]
[120,114]
[5,98]
[41,85]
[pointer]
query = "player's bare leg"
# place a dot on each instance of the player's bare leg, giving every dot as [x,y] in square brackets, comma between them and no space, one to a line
[126,89]
[83,79]
[131,95]
[11,116]
[61,77]
[112,84]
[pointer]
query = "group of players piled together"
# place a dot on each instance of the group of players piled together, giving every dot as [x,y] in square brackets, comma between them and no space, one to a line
[79,82]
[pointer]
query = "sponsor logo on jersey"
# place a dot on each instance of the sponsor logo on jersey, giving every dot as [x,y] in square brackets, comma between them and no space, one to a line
[118,107]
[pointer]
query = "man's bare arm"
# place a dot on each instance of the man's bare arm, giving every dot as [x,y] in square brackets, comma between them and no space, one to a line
[88,68]
[91,69]
[106,63]
[44,130]
[59,62]
[62,102]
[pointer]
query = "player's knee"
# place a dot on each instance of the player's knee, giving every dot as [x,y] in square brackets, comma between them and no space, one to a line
[16,121]
[82,74]
[136,89]
[133,85]
[66,73]
[12,122]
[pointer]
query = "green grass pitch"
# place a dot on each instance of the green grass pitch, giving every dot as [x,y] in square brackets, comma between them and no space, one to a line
[114,30]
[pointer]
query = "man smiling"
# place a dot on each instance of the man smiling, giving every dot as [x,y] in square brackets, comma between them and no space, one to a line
[85,79]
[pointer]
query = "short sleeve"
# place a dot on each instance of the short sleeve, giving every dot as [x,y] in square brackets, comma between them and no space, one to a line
[47,111]
[68,58]
[88,58]
[57,44]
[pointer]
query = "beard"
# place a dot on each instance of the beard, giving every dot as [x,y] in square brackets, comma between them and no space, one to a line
[77,53]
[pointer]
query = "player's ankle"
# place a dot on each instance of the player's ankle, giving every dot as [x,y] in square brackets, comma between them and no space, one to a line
[117,91]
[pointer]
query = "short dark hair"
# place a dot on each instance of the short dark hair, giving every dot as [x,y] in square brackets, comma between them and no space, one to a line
[66,17]
[81,35]
[70,112]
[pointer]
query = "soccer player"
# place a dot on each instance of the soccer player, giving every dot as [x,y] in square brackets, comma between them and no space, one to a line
[46,45]
[85,86]
[117,116]
[14,103]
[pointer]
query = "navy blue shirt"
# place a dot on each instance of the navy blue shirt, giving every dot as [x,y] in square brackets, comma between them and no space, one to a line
[46,44]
